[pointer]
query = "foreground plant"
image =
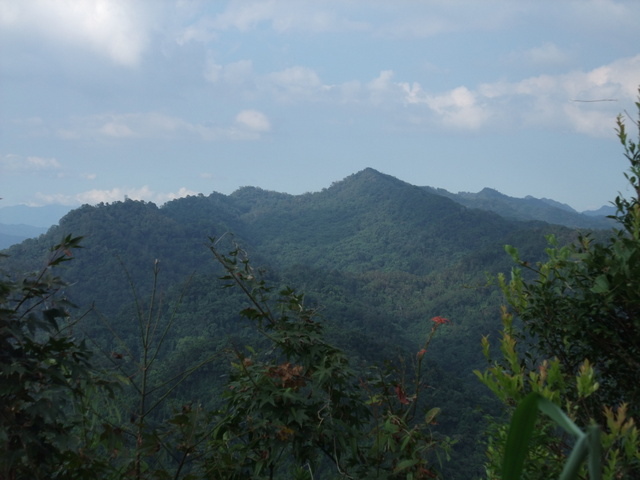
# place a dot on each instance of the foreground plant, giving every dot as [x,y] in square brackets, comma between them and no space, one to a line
[577,349]
[44,372]
[299,410]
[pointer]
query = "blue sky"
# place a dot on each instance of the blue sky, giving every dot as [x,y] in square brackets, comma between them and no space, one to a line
[159,99]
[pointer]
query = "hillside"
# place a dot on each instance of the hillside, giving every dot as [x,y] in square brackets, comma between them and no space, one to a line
[378,256]
[530,208]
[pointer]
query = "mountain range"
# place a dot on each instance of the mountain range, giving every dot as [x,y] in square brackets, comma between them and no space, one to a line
[531,208]
[20,222]
[378,257]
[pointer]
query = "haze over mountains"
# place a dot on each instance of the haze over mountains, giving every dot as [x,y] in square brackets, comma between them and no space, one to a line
[20,222]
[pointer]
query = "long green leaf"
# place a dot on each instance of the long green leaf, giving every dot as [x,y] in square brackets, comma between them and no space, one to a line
[578,455]
[521,429]
[520,432]
[556,414]
[595,452]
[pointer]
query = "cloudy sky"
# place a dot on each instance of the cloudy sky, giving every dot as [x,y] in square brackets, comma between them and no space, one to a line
[159,99]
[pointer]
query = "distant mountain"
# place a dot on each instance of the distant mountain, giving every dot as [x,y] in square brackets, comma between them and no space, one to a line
[553,203]
[12,234]
[529,208]
[35,216]
[19,222]
[603,211]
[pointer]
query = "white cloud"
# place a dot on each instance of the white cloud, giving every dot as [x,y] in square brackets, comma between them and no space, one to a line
[40,163]
[382,82]
[295,83]
[96,196]
[459,108]
[253,120]
[436,17]
[234,74]
[112,28]
[134,125]
[382,88]
[202,31]
[18,163]
[544,101]
[117,130]
[281,16]
[247,125]
[547,54]
[552,101]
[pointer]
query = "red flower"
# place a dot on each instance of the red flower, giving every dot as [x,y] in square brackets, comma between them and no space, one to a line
[421,353]
[440,320]
[402,396]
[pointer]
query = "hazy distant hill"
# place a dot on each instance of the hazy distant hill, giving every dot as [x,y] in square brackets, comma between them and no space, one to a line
[603,211]
[530,208]
[379,257]
[20,222]
[35,216]
[12,234]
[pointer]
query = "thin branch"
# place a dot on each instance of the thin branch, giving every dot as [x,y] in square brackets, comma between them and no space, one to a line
[594,101]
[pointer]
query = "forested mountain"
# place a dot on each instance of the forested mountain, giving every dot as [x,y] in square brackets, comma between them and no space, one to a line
[379,258]
[20,222]
[530,208]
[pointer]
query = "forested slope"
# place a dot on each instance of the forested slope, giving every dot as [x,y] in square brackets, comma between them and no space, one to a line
[377,256]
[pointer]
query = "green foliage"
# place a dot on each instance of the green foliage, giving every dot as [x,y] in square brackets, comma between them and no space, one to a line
[299,408]
[517,382]
[43,373]
[521,430]
[577,351]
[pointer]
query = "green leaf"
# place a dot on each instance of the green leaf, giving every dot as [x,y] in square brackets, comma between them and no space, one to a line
[404,464]
[595,452]
[557,415]
[512,252]
[600,284]
[578,454]
[520,432]
[431,415]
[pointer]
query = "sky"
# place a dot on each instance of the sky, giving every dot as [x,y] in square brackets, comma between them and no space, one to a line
[159,99]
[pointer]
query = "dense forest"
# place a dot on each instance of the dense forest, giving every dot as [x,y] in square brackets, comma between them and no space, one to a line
[345,348]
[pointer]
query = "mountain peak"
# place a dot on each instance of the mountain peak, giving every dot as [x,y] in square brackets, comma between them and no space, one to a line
[367,178]
[490,193]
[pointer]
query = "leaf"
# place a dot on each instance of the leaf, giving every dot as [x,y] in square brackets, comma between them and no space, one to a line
[520,432]
[600,284]
[512,252]
[557,415]
[404,464]
[431,415]
[578,454]
[595,452]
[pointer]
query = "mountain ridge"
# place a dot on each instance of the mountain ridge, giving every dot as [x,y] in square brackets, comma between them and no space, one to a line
[366,181]
[528,208]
